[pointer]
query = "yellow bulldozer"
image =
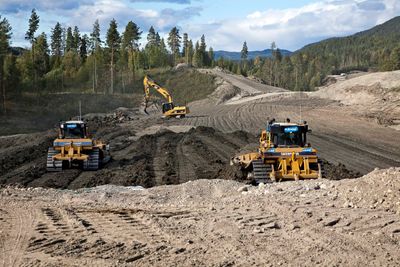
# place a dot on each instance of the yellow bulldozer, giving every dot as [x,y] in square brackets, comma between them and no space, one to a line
[283,154]
[74,148]
[169,110]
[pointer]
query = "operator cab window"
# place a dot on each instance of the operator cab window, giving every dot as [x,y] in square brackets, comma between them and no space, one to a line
[72,130]
[288,138]
[167,106]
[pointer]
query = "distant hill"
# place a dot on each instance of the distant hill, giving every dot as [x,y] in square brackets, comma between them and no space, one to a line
[367,49]
[252,54]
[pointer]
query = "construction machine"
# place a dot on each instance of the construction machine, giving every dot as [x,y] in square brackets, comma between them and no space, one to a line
[74,148]
[169,110]
[283,154]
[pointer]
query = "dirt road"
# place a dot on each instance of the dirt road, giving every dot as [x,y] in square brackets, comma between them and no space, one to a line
[205,223]
[340,135]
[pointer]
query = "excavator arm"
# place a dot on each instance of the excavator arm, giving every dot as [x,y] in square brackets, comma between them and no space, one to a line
[169,109]
[149,83]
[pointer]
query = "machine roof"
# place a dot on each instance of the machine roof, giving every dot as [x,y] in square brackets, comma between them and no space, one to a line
[76,122]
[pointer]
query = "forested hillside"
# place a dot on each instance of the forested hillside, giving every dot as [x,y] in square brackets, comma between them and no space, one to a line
[377,49]
[64,60]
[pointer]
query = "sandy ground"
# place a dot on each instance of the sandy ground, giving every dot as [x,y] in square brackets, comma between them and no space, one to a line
[206,223]
[352,222]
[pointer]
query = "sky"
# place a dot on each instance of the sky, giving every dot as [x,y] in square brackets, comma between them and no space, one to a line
[291,24]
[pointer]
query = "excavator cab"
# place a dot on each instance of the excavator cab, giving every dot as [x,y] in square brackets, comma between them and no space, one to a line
[167,107]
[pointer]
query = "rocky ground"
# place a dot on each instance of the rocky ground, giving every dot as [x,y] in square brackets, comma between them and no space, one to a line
[206,223]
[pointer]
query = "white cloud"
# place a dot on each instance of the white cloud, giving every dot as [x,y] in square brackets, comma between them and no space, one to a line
[105,10]
[290,28]
[295,27]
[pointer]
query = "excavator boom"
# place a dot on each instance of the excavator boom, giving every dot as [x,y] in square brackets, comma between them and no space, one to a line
[169,109]
[148,82]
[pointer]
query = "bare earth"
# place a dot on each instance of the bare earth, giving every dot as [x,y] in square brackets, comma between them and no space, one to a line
[195,221]
[206,223]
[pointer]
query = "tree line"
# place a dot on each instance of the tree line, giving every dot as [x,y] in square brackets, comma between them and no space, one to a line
[66,60]
[376,49]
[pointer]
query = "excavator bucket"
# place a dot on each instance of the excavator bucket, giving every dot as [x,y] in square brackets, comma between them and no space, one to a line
[144,104]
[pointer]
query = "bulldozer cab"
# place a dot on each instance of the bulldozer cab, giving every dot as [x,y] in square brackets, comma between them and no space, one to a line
[167,107]
[288,135]
[73,130]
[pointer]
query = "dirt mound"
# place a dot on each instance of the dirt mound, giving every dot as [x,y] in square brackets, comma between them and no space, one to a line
[338,171]
[379,189]
[165,157]
[374,95]
[225,91]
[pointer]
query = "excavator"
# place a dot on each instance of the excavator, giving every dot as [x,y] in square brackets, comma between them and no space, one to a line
[169,110]
[283,154]
[74,148]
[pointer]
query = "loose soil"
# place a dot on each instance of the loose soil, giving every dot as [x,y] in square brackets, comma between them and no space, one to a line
[206,223]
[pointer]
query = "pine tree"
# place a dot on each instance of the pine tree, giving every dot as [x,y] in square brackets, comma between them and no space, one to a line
[130,39]
[211,56]
[245,52]
[56,40]
[113,42]
[158,39]
[41,54]
[76,39]
[151,38]
[83,51]
[11,75]
[189,53]
[95,43]
[271,73]
[185,43]
[174,43]
[197,57]
[56,44]
[203,56]
[30,36]
[5,36]
[69,43]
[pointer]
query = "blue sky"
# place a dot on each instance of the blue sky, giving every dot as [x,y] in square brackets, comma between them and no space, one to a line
[226,24]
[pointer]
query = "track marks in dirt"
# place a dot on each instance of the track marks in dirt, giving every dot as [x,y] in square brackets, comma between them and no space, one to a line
[103,234]
[16,225]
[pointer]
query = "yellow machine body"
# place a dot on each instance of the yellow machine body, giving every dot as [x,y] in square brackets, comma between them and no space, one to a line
[73,147]
[169,109]
[283,154]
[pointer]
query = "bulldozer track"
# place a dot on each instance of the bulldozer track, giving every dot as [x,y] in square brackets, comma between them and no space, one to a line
[185,166]
[159,162]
